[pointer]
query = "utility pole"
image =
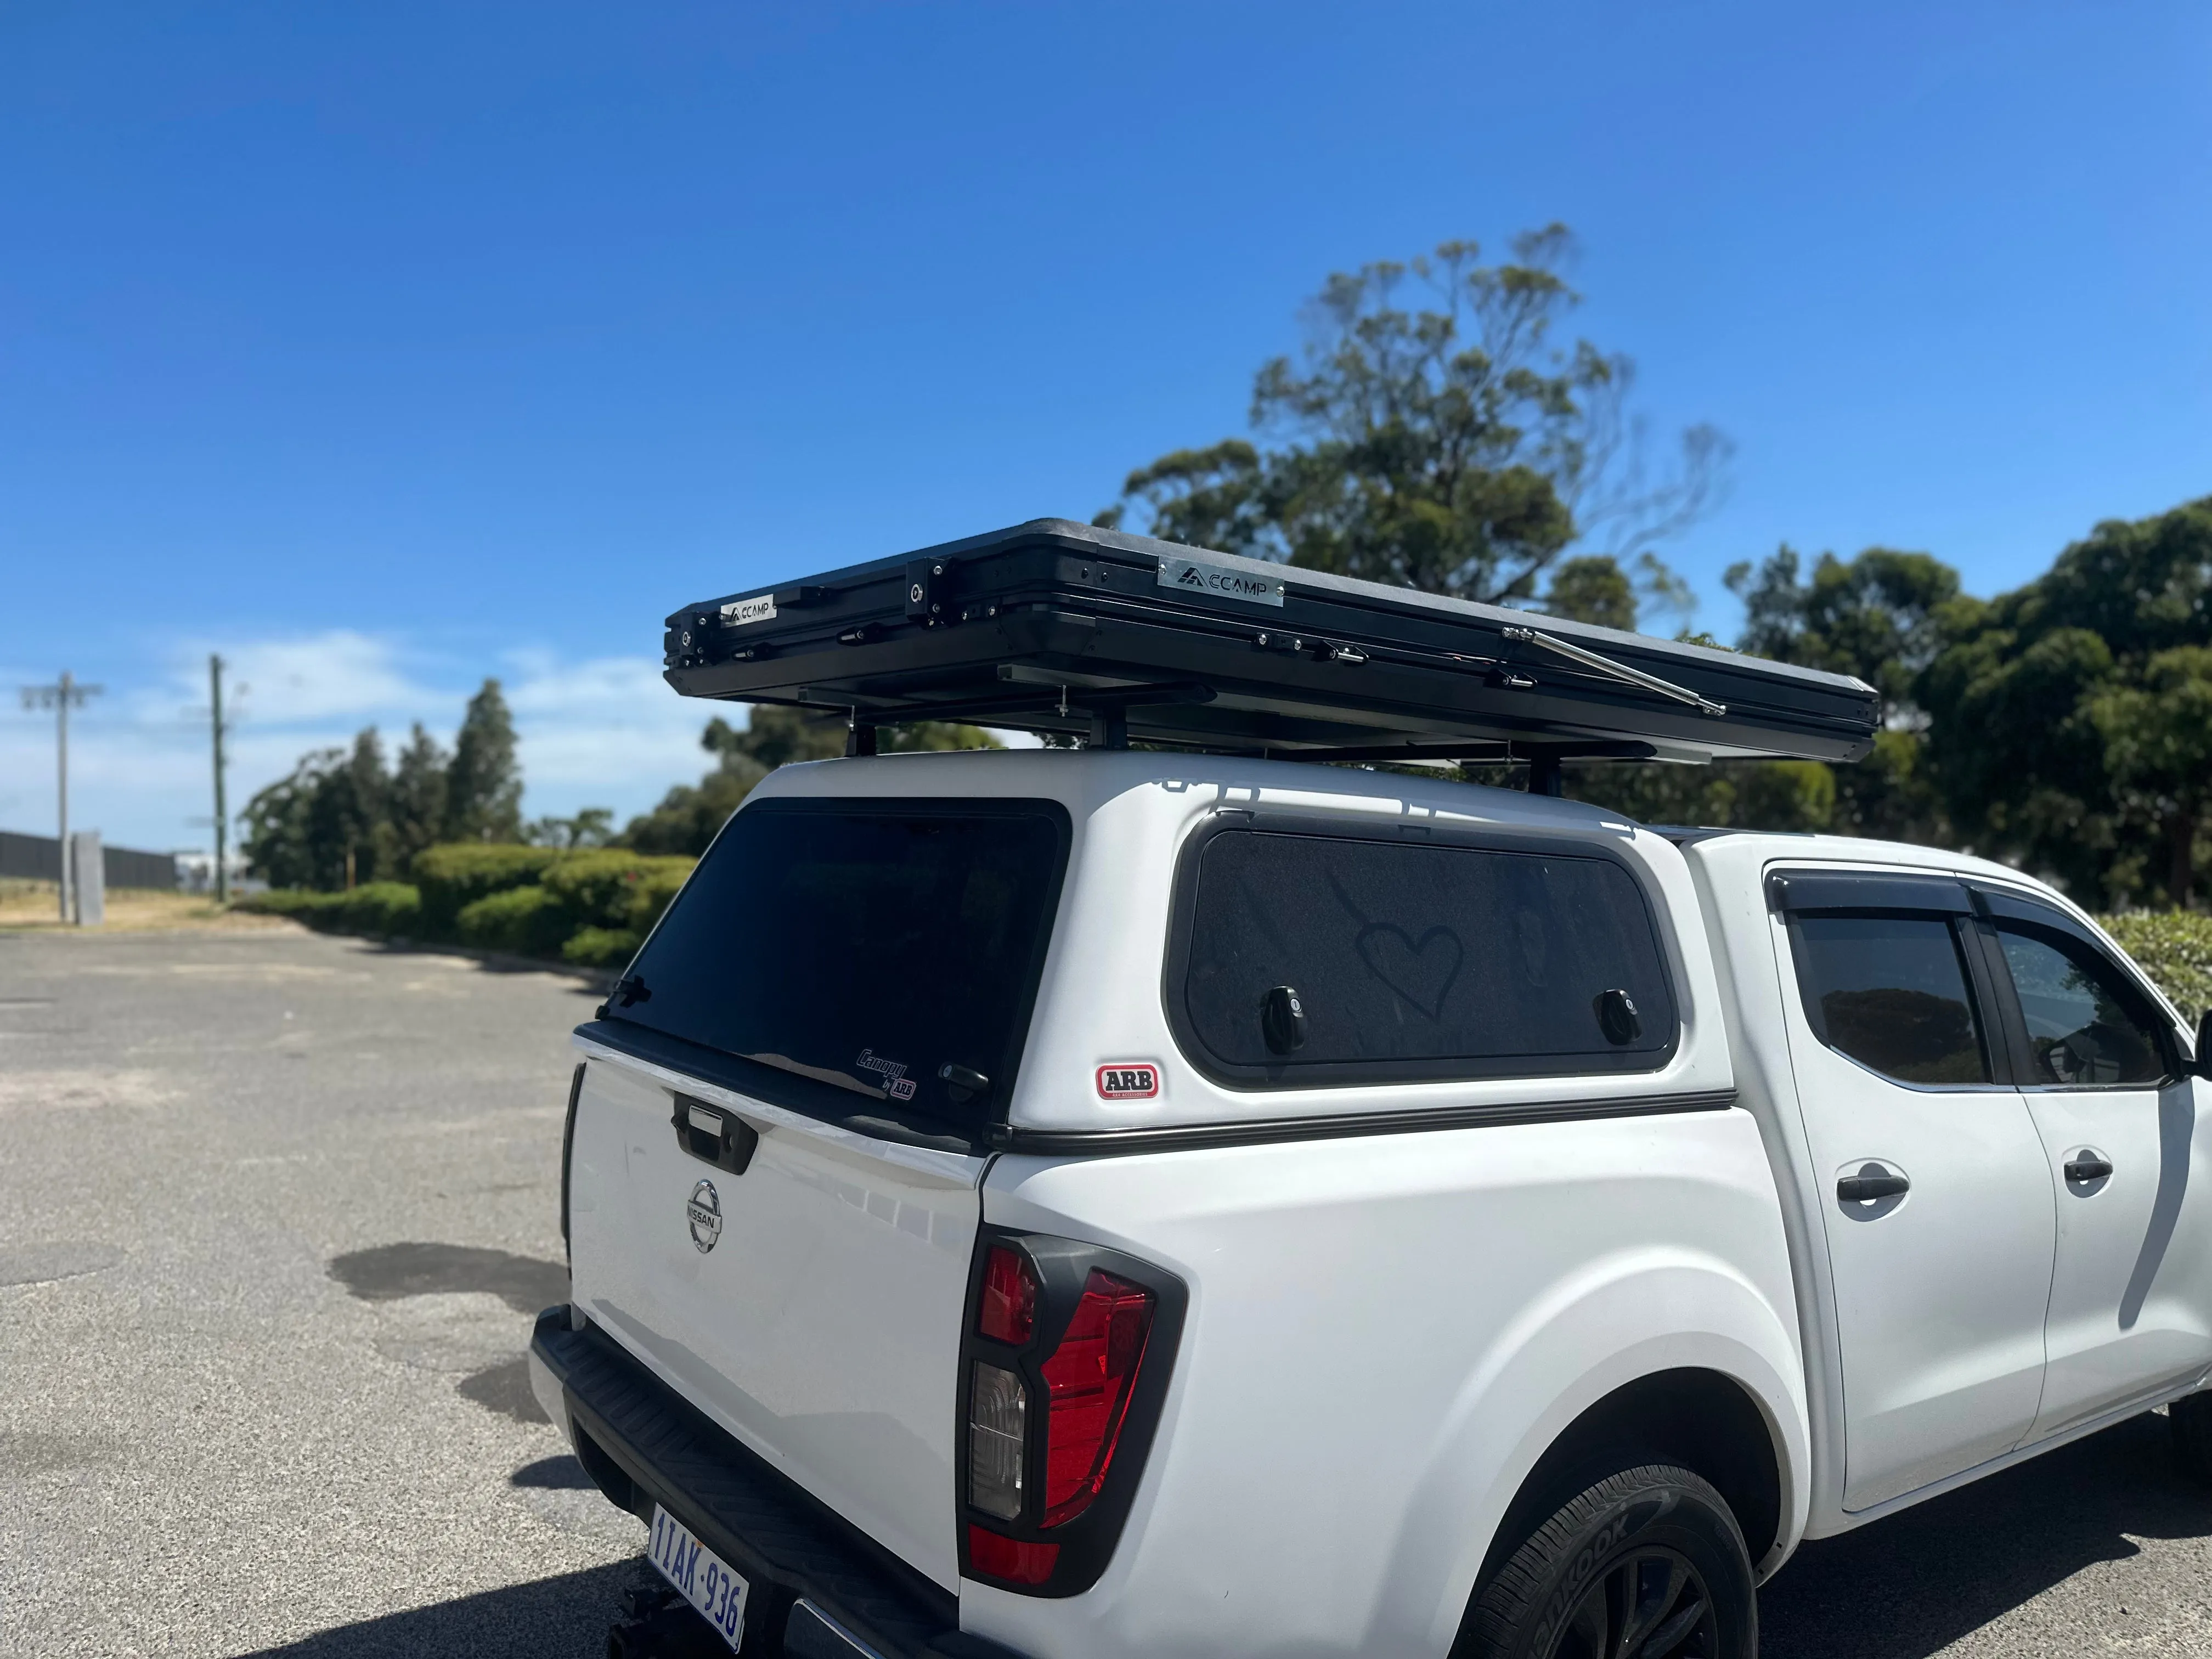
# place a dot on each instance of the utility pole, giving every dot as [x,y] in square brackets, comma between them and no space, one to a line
[222,816]
[61,696]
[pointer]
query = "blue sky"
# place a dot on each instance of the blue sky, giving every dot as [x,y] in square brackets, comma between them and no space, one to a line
[383,348]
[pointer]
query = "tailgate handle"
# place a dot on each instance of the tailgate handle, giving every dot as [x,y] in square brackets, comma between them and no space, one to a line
[714,1134]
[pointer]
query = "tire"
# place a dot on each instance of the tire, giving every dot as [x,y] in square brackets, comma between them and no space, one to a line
[2190,1419]
[1649,1563]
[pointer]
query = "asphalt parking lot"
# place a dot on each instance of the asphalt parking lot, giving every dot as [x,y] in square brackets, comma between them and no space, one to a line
[276,1210]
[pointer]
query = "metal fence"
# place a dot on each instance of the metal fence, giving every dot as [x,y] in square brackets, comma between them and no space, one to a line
[38,858]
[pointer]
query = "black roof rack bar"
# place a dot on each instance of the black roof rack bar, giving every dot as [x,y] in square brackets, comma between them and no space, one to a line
[1479,751]
[1071,703]
[1619,671]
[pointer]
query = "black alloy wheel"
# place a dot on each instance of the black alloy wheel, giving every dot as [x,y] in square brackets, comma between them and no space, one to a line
[1649,1605]
[1647,1563]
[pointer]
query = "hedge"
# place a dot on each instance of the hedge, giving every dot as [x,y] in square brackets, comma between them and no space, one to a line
[609,888]
[591,907]
[456,876]
[381,909]
[601,947]
[527,921]
[2174,947]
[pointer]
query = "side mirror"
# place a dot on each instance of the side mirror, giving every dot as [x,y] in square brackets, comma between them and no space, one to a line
[2202,1067]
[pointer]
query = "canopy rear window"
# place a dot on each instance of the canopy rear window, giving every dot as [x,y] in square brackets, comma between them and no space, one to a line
[848,952]
[1415,959]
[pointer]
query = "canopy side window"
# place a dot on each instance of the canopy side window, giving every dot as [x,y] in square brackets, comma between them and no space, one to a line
[1302,959]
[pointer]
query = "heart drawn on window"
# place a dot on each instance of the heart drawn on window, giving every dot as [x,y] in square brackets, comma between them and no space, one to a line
[1422,974]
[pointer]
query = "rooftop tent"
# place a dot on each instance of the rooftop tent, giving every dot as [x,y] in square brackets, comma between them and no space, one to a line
[1056,627]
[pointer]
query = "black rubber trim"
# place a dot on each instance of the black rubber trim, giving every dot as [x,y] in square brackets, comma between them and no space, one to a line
[1853,889]
[785,1540]
[1345,1126]
[568,1145]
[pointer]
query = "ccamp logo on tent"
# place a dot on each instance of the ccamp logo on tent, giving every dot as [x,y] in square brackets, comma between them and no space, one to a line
[1220,582]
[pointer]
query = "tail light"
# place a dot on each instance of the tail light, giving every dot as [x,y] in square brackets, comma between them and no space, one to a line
[1089,1376]
[998,1425]
[1010,1557]
[1056,1354]
[1010,1292]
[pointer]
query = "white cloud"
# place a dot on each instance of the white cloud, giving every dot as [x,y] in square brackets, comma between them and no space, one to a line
[604,732]
[600,732]
[337,675]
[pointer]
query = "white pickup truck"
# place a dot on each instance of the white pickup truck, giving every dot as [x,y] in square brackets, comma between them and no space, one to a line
[1078,1204]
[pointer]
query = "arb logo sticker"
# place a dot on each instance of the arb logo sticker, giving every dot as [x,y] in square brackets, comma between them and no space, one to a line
[1129,1079]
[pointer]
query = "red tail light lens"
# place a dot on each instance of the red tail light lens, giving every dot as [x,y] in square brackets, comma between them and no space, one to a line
[1010,1293]
[1010,1558]
[1088,1378]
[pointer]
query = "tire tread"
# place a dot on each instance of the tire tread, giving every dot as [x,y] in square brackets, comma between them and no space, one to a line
[1502,1606]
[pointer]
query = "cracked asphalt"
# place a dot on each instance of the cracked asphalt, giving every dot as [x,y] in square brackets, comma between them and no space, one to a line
[276,1210]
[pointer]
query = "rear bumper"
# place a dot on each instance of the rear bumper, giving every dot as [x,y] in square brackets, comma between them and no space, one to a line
[643,1443]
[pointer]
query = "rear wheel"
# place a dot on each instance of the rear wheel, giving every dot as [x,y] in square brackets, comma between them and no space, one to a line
[1647,1564]
[2190,1419]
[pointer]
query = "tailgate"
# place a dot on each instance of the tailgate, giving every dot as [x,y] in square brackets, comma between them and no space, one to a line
[821,1323]
[848,980]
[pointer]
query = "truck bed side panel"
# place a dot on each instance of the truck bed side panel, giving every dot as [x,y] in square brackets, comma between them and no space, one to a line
[1383,1334]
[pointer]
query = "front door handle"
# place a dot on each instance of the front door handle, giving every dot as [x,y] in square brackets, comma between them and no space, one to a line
[1864,1188]
[2088,1168]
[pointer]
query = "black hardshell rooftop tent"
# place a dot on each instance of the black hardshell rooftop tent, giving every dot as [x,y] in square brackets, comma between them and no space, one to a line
[1056,627]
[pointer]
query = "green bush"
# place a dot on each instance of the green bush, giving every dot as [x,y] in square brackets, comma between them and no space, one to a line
[602,888]
[651,896]
[2174,947]
[282,901]
[380,909]
[600,947]
[525,921]
[591,907]
[455,876]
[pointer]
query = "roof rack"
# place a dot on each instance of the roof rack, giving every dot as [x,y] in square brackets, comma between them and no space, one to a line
[1063,629]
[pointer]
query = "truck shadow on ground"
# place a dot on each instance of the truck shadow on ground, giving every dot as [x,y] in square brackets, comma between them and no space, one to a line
[394,1273]
[1901,1588]
[1905,1587]
[591,982]
[549,1618]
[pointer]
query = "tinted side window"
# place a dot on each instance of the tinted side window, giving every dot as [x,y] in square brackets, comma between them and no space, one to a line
[1415,959]
[2082,1029]
[1891,993]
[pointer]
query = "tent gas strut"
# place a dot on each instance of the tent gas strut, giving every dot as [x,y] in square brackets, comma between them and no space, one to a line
[1617,671]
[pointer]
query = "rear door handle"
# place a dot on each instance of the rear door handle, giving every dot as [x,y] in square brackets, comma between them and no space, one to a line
[1865,1189]
[2088,1168]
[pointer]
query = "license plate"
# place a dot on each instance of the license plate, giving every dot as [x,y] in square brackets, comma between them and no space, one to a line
[704,1576]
